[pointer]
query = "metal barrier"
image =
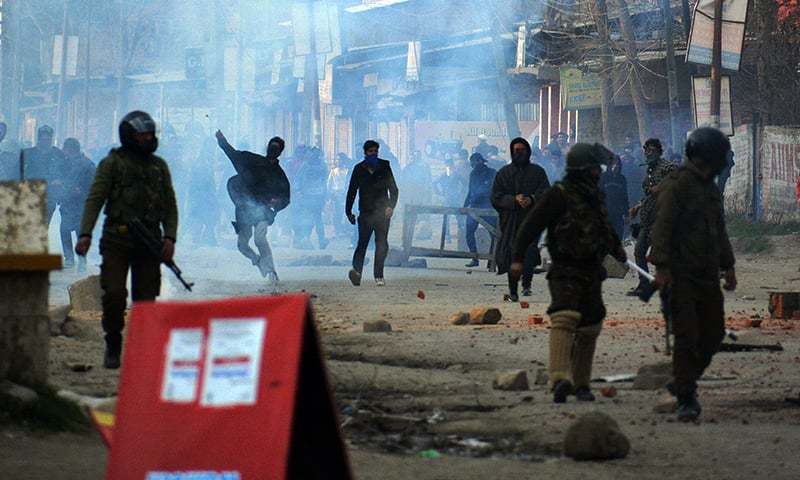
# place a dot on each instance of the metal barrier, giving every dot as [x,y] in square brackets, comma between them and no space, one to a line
[411,212]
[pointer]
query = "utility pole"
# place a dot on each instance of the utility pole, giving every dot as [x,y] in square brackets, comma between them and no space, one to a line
[672,76]
[512,123]
[716,65]
[606,66]
[86,80]
[62,80]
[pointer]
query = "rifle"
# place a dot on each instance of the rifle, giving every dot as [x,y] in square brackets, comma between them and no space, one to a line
[154,246]
[647,293]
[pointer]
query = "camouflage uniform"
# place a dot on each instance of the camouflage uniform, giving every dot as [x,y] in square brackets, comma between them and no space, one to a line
[691,243]
[131,185]
[656,172]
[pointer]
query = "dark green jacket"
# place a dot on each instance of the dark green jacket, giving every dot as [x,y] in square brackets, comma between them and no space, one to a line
[131,185]
[689,237]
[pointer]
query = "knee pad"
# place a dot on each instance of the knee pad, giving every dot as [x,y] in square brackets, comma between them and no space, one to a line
[565,320]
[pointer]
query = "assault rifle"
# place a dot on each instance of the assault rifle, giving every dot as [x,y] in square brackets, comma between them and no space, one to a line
[153,245]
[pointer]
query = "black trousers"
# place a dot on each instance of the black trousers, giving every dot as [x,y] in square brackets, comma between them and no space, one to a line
[532,260]
[698,321]
[145,285]
[472,227]
[369,223]
[640,253]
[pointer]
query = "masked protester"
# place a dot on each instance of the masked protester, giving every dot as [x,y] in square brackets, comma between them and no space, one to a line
[479,196]
[690,249]
[131,182]
[579,237]
[615,187]
[259,190]
[77,176]
[372,180]
[43,162]
[516,189]
[657,170]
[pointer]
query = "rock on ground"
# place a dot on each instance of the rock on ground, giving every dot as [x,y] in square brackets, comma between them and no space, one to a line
[58,317]
[595,436]
[460,318]
[85,295]
[513,380]
[485,316]
[653,376]
[541,377]
[377,326]
[23,395]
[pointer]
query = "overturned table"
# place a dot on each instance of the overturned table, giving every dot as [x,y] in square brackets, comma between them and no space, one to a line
[412,212]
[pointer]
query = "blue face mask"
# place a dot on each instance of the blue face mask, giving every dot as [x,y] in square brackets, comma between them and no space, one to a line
[372,160]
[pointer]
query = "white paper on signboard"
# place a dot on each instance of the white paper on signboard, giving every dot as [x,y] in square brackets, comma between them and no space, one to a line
[233,362]
[182,366]
[701,100]
[701,38]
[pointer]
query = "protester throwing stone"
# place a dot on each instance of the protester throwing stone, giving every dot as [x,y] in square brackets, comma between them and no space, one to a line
[579,237]
[690,247]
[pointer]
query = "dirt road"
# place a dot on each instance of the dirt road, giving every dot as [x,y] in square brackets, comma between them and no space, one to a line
[427,384]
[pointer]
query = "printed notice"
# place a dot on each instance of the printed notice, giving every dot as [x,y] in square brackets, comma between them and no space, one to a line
[233,361]
[182,370]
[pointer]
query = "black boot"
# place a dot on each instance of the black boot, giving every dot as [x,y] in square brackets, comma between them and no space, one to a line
[561,390]
[583,394]
[473,263]
[112,358]
[688,408]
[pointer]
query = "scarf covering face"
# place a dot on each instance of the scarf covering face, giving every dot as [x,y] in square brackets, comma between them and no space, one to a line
[524,159]
[372,161]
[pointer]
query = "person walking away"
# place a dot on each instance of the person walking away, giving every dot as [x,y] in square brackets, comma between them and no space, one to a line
[515,191]
[312,185]
[259,190]
[579,237]
[372,180]
[42,162]
[615,187]
[690,249]
[479,196]
[77,175]
[657,170]
[337,192]
[132,183]
[204,205]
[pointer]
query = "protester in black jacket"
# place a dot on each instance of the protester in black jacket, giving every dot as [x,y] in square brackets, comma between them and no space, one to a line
[516,189]
[479,196]
[372,180]
[615,186]
[259,191]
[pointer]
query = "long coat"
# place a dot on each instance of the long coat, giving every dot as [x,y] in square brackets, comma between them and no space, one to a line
[529,179]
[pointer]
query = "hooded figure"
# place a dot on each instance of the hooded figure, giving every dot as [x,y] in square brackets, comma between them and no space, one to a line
[515,191]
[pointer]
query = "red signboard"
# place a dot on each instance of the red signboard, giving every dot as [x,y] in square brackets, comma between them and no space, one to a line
[225,390]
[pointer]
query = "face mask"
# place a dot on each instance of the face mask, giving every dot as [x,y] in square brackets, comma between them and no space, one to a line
[273,150]
[372,160]
[148,147]
[520,158]
[653,157]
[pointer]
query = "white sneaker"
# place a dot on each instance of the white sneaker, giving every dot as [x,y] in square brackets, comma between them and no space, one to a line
[379,282]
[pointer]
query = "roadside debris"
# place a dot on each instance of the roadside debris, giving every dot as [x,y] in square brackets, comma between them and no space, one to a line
[85,295]
[377,326]
[459,318]
[421,295]
[595,436]
[535,320]
[514,380]
[653,376]
[608,392]
[747,341]
[485,316]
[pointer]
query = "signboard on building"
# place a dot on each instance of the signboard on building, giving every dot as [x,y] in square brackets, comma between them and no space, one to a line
[579,90]
[701,38]
[72,55]
[467,133]
[701,102]
[414,62]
